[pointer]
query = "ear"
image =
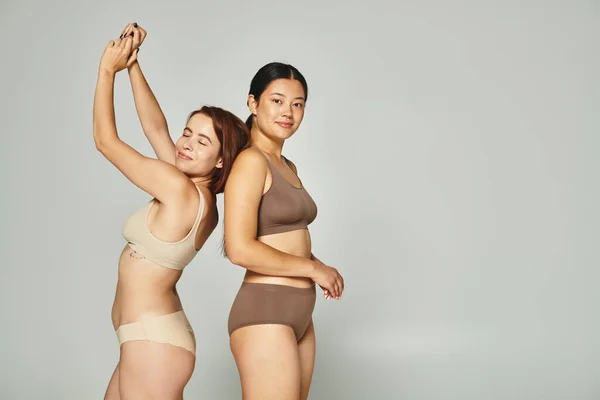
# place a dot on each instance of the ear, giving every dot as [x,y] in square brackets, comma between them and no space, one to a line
[219,163]
[252,104]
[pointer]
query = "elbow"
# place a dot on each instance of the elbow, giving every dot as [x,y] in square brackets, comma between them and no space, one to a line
[102,142]
[100,145]
[236,253]
[234,256]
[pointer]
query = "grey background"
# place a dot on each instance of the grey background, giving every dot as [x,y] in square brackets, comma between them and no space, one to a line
[451,148]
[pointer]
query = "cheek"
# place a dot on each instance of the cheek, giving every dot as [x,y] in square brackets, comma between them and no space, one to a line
[205,154]
[299,114]
[270,111]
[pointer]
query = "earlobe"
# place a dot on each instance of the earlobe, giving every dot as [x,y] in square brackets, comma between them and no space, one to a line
[219,163]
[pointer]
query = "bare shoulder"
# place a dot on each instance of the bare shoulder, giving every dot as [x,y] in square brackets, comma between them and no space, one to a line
[249,175]
[249,162]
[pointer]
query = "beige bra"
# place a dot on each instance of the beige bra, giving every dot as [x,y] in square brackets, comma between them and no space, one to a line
[174,255]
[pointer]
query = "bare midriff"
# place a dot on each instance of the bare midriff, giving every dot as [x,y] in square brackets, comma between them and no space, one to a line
[296,243]
[144,289]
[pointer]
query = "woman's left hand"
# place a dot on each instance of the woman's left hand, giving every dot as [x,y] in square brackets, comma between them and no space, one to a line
[116,54]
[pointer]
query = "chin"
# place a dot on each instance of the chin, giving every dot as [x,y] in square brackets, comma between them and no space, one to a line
[283,135]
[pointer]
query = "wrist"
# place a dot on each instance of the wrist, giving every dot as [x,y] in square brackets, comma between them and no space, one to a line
[106,72]
[312,269]
[133,65]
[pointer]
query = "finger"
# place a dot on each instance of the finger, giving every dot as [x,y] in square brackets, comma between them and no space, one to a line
[132,28]
[142,32]
[128,44]
[123,44]
[333,290]
[136,36]
[124,30]
[342,280]
[111,43]
[128,30]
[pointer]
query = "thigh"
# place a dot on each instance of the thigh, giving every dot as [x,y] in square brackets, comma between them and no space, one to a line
[112,392]
[150,370]
[268,362]
[306,352]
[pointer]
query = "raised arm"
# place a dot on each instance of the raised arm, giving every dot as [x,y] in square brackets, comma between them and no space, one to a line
[160,179]
[152,119]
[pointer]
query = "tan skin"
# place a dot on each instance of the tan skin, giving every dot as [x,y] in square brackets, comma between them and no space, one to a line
[149,370]
[272,365]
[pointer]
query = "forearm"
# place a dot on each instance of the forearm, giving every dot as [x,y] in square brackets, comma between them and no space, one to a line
[149,112]
[104,111]
[264,259]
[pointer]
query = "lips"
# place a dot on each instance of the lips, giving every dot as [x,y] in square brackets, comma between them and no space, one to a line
[284,124]
[182,156]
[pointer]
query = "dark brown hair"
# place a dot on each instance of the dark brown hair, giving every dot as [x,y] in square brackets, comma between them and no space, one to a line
[233,136]
[269,73]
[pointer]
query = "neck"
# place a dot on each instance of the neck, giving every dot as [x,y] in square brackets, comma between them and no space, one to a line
[200,180]
[265,143]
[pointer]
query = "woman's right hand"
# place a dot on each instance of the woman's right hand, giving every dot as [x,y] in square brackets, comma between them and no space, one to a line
[329,279]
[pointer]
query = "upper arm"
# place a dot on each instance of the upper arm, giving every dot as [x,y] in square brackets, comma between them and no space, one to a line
[243,193]
[157,178]
[163,145]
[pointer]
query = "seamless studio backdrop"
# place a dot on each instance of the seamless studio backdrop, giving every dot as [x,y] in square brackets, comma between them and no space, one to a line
[452,149]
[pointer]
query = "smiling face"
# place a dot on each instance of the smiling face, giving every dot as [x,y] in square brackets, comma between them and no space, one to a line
[280,109]
[198,150]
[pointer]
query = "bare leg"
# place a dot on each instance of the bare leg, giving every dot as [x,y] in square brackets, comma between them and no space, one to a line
[112,392]
[150,370]
[268,362]
[306,351]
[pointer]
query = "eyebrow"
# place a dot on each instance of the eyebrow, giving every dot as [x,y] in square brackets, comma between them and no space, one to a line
[283,95]
[199,134]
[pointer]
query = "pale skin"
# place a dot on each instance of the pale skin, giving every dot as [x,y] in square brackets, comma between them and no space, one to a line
[177,179]
[271,363]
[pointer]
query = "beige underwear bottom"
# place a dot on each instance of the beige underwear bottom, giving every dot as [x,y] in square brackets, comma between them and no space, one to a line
[173,329]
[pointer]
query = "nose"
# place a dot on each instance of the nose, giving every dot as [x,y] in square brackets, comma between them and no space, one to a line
[186,145]
[286,111]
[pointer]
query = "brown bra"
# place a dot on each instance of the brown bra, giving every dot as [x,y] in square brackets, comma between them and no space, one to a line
[284,207]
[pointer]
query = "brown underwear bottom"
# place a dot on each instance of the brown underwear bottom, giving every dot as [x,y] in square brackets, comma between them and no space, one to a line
[263,303]
[171,329]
